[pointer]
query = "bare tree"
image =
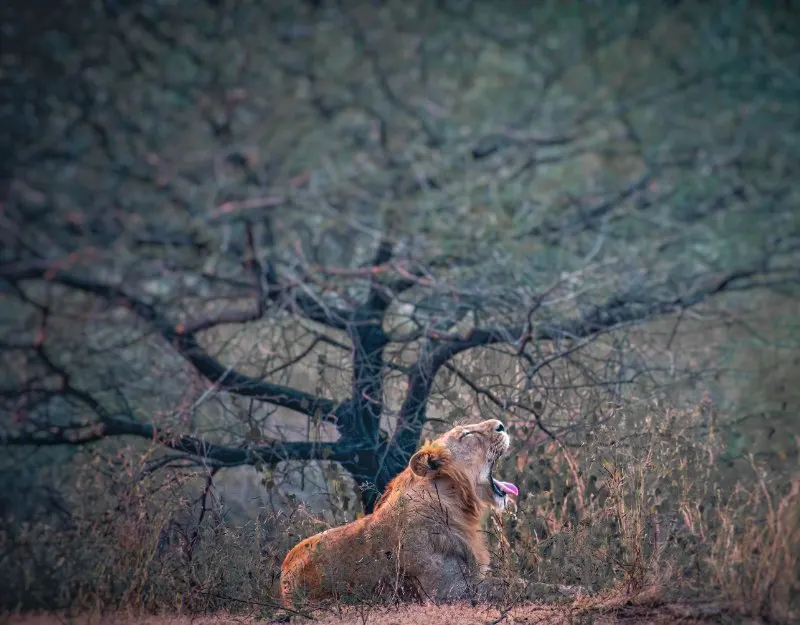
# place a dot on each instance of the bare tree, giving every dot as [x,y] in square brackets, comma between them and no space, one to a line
[398,183]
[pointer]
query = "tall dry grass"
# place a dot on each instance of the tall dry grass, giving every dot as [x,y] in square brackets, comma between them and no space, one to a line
[659,514]
[663,514]
[143,542]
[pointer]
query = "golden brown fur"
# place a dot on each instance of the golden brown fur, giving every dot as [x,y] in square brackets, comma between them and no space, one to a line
[423,539]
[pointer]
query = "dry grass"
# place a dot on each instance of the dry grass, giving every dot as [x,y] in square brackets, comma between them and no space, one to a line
[651,523]
[661,516]
[459,614]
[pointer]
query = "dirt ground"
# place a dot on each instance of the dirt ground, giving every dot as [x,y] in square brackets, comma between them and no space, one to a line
[422,615]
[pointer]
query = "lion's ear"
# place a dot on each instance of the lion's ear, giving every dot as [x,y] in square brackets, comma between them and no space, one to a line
[428,461]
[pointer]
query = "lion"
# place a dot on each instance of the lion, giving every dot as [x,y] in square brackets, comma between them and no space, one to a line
[423,539]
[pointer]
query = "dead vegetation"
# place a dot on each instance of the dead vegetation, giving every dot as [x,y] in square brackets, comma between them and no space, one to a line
[657,518]
[459,614]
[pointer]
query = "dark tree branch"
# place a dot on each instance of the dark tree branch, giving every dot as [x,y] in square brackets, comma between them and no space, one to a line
[379,297]
[216,455]
[186,344]
[500,403]
[247,386]
[619,311]
[213,454]
[280,292]
[369,342]
[359,37]
[589,217]
[222,318]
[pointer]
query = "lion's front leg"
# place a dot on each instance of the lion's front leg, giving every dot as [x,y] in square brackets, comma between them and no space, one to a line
[448,579]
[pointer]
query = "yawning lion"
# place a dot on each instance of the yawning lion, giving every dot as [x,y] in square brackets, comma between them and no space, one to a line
[423,538]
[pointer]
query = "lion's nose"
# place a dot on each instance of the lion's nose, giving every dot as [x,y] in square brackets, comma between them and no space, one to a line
[500,428]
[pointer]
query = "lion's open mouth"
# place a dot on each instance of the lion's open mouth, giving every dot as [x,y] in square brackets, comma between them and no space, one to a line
[501,489]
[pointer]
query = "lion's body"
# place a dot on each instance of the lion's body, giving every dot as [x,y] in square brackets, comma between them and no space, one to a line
[423,539]
[340,562]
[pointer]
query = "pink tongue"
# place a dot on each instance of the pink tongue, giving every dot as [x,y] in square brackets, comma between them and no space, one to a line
[507,487]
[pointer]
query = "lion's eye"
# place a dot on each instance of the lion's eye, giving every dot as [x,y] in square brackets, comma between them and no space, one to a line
[465,434]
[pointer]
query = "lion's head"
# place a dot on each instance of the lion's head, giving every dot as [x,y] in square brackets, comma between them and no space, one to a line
[471,450]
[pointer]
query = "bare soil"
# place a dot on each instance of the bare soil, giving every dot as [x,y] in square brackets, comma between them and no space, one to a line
[423,615]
